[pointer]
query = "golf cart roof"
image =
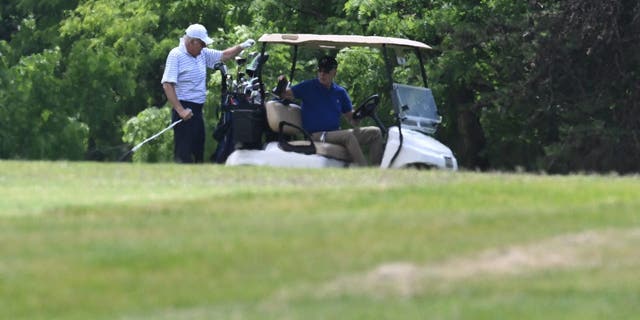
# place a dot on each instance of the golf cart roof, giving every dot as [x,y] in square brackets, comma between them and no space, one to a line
[340,41]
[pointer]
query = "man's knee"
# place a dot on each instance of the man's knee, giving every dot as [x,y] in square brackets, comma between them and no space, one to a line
[351,139]
[377,134]
[370,134]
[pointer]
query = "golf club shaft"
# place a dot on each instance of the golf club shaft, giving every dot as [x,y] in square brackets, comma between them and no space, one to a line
[155,135]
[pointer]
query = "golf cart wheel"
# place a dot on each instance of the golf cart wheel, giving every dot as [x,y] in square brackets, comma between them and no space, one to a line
[419,166]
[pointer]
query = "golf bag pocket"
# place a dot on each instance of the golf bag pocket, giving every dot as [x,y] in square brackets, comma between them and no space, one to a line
[248,126]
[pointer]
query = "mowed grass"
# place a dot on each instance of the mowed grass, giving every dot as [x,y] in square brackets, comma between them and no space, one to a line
[167,241]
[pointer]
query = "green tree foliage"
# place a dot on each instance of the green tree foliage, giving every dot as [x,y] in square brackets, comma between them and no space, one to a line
[31,26]
[117,49]
[35,124]
[483,59]
[107,45]
[144,125]
[301,16]
[586,79]
[540,84]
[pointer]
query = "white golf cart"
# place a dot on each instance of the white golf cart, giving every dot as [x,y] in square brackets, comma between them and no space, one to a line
[408,142]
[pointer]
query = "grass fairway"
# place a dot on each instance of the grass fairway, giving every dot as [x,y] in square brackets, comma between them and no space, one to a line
[165,241]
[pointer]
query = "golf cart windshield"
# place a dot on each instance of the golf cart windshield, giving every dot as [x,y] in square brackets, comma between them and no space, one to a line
[416,107]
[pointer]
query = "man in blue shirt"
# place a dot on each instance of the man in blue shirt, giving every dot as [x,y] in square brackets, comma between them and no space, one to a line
[323,102]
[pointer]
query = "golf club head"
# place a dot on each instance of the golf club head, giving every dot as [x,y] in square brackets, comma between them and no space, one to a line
[255,83]
[256,64]
[222,68]
[241,60]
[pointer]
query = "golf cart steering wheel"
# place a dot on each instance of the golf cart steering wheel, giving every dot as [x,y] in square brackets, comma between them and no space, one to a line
[367,108]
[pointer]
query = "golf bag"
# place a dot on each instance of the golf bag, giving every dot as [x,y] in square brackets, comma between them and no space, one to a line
[243,119]
[224,135]
[240,126]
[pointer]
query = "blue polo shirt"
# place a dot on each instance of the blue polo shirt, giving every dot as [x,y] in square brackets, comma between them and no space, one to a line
[321,107]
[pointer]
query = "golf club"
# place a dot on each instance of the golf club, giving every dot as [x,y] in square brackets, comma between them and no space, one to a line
[134,149]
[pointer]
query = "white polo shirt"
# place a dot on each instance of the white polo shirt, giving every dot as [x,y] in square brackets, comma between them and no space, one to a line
[189,73]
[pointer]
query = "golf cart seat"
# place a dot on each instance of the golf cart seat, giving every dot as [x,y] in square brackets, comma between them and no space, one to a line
[287,122]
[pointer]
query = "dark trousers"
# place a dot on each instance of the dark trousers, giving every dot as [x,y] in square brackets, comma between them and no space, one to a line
[188,136]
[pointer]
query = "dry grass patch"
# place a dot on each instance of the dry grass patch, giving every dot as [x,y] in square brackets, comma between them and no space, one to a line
[589,249]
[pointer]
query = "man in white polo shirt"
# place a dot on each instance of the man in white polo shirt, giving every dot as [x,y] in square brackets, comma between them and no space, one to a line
[184,83]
